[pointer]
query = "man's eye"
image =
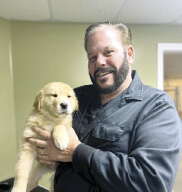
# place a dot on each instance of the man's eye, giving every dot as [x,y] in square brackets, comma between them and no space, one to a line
[54,95]
[108,52]
[92,59]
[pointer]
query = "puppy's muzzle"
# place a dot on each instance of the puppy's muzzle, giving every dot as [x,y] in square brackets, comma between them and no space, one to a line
[64,106]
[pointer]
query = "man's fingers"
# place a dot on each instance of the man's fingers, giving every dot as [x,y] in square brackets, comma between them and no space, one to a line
[38,143]
[45,160]
[42,157]
[42,151]
[42,132]
[49,163]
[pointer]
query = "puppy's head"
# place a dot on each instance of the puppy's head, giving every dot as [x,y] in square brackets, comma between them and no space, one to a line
[56,98]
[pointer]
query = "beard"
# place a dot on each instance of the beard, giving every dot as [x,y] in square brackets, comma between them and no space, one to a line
[119,77]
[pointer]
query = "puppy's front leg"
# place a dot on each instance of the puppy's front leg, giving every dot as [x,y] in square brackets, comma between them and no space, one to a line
[23,167]
[60,137]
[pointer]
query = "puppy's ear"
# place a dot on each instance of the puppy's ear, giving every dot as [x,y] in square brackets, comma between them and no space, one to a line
[38,101]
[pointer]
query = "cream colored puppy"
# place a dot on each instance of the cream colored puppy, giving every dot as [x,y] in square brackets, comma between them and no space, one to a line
[52,110]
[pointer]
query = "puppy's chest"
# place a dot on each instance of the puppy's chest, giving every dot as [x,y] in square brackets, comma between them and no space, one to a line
[37,121]
[48,125]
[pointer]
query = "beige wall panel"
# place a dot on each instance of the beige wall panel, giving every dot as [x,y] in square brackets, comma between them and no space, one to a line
[7,121]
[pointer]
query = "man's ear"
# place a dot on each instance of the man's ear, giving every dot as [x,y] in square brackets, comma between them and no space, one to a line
[38,101]
[130,54]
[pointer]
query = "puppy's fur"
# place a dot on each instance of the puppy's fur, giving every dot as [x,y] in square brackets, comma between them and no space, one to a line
[52,110]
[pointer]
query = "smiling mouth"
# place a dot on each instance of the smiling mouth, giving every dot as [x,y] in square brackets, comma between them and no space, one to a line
[102,74]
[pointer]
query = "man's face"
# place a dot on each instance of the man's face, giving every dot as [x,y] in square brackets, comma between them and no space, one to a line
[107,60]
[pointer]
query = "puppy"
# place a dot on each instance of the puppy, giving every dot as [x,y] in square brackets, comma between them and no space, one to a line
[52,110]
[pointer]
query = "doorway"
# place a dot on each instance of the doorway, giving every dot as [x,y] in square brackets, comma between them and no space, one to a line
[170,80]
[170,71]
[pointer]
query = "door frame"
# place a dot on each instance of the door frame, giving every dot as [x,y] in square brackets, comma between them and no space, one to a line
[162,48]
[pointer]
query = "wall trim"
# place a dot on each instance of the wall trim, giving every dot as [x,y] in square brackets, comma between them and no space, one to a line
[162,48]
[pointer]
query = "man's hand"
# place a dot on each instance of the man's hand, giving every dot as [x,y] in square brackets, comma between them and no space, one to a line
[47,152]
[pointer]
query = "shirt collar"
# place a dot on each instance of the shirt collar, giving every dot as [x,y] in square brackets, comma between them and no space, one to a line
[135,90]
[132,93]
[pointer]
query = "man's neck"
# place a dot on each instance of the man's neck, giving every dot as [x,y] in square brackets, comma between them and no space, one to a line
[105,98]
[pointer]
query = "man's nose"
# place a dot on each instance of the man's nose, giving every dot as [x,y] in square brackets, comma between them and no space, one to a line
[101,60]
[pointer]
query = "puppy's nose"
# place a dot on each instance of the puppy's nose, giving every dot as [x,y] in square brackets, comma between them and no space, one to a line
[63,105]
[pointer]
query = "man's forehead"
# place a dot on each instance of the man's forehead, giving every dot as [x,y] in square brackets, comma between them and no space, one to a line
[103,33]
[104,28]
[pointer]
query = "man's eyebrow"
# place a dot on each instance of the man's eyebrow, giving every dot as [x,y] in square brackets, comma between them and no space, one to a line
[108,47]
[89,54]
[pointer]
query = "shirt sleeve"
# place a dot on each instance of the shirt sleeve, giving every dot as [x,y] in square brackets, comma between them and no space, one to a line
[150,166]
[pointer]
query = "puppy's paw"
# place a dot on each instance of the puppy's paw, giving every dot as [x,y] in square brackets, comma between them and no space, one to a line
[60,136]
[61,142]
[15,189]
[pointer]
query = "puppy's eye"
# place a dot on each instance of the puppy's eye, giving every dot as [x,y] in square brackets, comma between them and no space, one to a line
[69,96]
[54,95]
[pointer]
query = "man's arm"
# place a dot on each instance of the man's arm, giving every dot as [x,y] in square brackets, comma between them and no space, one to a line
[150,166]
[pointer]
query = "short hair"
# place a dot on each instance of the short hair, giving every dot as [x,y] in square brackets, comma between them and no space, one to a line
[122,28]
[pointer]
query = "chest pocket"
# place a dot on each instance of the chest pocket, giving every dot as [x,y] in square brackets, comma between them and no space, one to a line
[110,137]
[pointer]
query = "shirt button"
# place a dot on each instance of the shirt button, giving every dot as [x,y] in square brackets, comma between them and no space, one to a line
[93,116]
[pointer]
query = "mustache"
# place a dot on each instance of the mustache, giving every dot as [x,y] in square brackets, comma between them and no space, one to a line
[104,70]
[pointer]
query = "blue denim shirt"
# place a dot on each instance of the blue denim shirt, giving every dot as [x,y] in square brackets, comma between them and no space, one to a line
[130,144]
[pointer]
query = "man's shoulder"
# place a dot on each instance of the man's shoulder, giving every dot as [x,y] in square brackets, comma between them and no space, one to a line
[83,90]
[84,93]
[156,94]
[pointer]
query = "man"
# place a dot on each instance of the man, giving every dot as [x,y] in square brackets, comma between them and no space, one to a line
[127,136]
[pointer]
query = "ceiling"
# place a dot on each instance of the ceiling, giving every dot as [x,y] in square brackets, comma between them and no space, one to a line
[88,11]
